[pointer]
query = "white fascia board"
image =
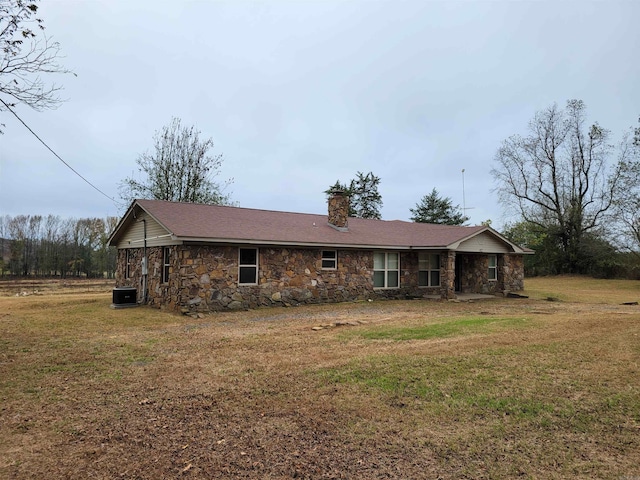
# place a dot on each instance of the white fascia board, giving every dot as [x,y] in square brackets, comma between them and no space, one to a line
[121,223]
[126,219]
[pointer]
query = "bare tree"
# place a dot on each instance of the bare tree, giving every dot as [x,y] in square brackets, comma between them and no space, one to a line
[4,244]
[627,211]
[560,177]
[25,54]
[49,246]
[179,169]
[17,229]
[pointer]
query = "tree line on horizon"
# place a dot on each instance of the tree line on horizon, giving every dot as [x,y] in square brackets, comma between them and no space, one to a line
[50,246]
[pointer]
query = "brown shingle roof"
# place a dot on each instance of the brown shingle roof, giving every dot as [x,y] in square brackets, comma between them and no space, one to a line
[189,221]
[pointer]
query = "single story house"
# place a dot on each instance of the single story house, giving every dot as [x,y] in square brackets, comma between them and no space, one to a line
[191,257]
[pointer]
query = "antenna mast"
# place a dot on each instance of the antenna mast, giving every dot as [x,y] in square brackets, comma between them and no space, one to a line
[464,203]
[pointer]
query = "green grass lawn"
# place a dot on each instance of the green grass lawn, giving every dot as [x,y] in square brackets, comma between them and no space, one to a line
[583,289]
[402,389]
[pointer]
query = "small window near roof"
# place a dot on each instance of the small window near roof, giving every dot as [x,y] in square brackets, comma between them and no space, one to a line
[493,268]
[329,259]
[248,266]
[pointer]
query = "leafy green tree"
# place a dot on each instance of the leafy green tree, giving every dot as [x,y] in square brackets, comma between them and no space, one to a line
[433,208]
[365,200]
[179,169]
[543,242]
[598,257]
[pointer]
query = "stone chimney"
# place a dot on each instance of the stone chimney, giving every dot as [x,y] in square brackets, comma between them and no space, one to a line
[339,210]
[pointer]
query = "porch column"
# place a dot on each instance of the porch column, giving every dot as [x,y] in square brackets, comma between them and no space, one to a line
[449,286]
[502,272]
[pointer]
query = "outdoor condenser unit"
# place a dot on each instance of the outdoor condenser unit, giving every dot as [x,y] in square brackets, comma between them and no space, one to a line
[124,297]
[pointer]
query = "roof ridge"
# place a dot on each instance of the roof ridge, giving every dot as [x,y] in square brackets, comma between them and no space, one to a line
[358,219]
[225,206]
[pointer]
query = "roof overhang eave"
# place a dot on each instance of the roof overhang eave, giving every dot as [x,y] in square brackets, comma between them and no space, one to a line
[283,243]
[131,212]
[116,231]
[514,248]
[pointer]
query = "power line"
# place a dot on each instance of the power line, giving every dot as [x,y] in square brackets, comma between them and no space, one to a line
[58,156]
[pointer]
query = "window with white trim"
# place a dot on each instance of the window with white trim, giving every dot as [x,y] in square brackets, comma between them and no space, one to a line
[492,273]
[386,270]
[166,265]
[428,269]
[329,259]
[248,266]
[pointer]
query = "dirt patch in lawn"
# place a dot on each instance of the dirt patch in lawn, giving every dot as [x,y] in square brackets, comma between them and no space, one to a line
[395,389]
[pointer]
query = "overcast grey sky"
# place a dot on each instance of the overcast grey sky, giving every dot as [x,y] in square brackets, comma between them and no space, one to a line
[299,94]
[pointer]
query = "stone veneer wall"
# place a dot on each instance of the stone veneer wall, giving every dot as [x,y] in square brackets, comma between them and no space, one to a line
[205,278]
[512,273]
[475,274]
[135,275]
[159,294]
[339,210]
[447,274]
[208,278]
